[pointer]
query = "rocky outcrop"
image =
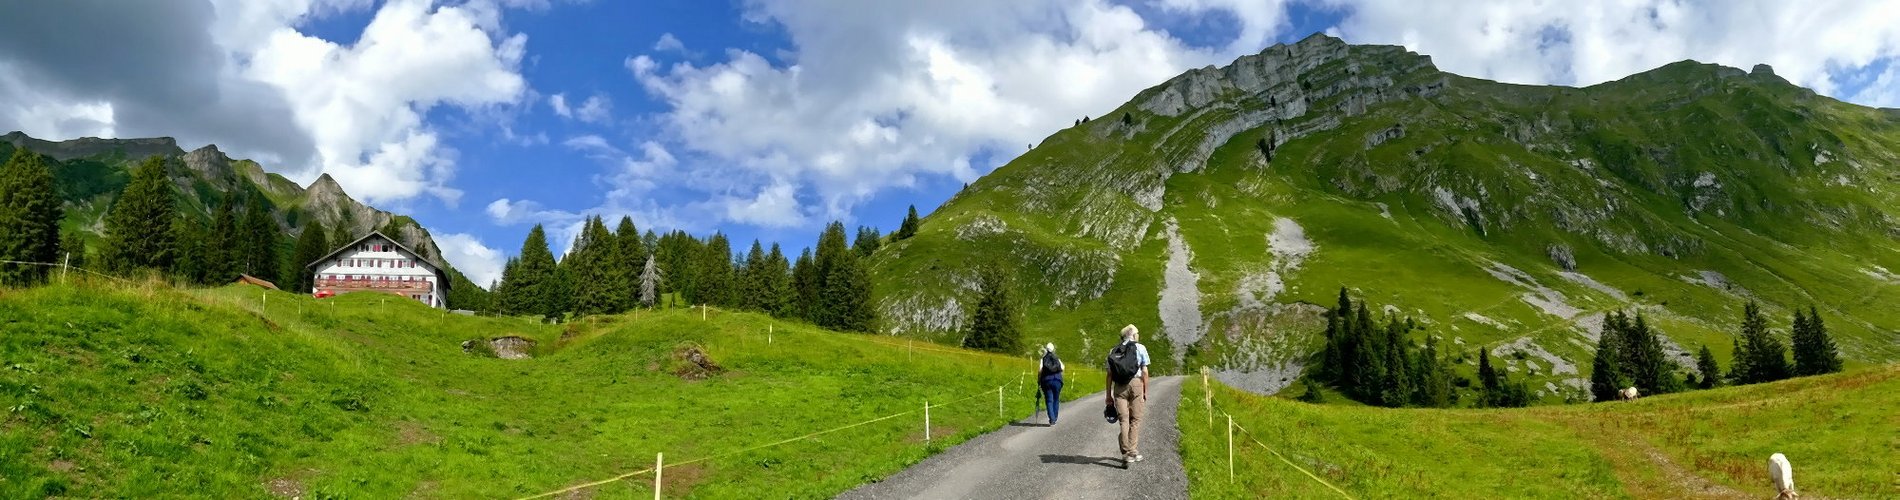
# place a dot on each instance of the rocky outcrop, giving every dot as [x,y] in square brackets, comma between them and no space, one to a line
[83,147]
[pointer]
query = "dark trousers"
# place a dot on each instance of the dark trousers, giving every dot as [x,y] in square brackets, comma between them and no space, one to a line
[1052,395]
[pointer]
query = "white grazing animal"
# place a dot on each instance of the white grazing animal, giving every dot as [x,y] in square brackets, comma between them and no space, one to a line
[1783,475]
[1628,394]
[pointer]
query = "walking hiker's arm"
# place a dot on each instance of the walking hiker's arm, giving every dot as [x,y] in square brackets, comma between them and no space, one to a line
[1144,382]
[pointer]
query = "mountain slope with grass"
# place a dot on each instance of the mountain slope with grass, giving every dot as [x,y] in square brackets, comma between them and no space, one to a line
[1835,429]
[1223,209]
[148,391]
[91,172]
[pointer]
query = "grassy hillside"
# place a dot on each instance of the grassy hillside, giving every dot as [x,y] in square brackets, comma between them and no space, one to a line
[1837,430]
[235,392]
[1217,209]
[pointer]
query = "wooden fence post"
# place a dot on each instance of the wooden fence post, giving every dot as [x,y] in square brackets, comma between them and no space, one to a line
[64,264]
[926,421]
[1230,448]
[999,401]
[659,462]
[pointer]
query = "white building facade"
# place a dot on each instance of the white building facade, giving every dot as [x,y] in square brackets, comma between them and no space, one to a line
[376,263]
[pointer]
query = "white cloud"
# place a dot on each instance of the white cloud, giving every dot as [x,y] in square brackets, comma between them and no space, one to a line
[668,43]
[469,255]
[596,109]
[364,103]
[559,103]
[877,94]
[1582,43]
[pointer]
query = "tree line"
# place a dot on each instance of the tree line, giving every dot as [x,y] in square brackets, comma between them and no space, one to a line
[1378,364]
[611,271]
[1629,354]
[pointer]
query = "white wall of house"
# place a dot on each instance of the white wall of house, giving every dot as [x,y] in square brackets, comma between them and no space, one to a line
[378,262]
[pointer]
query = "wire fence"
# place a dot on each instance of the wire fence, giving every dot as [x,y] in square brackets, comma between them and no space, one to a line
[1207,392]
[64,268]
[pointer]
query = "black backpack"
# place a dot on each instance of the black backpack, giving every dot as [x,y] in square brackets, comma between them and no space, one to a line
[1050,364]
[1124,364]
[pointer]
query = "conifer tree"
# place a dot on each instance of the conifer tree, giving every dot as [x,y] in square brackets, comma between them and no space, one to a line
[220,250]
[846,295]
[1814,351]
[1767,358]
[29,219]
[909,227]
[805,286]
[258,242]
[1395,389]
[1332,361]
[1645,363]
[650,283]
[72,248]
[590,264]
[1738,370]
[832,251]
[867,242]
[190,262]
[310,247]
[1368,363]
[530,283]
[994,325]
[753,281]
[1436,391]
[778,284]
[1711,372]
[715,283]
[138,226]
[1488,378]
[630,259]
[1606,371]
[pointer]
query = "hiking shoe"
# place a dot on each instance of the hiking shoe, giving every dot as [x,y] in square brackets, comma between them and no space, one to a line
[1137,457]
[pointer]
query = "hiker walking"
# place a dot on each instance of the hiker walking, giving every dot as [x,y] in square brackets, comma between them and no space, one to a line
[1128,390]
[1051,380]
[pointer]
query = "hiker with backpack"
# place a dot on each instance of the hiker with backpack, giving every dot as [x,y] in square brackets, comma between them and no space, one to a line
[1051,381]
[1128,391]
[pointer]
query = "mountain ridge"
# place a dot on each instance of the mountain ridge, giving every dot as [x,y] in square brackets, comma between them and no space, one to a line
[1214,205]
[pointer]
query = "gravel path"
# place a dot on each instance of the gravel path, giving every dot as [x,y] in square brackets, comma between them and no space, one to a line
[1077,458]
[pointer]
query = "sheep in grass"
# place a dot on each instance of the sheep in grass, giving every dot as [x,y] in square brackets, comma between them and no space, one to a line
[1628,394]
[1783,476]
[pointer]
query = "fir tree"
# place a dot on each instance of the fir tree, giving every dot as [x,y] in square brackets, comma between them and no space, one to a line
[1395,388]
[1814,351]
[994,325]
[1312,393]
[1711,373]
[191,260]
[805,287]
[715,283]
[311,245]
[29,219]
[630,259]
[1606,371]
[778,284]
[138,226]
[1645,363]
[1768,359]
[1436,391]
[867,242]
[590,264]
[1738,371]
[831,253]
[650,283]
[909,227]
[258,242]
[531,284]
[220,245]
[1332,361]
[72,248]
[753,282]
[846,296]
[1488,378]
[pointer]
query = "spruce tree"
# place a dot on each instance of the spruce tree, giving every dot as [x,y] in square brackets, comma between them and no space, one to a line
[259,240]
[847,296]
[1814,351]
[832,251]
[909,227]
[191,262]
[72,248]
[138,226]
[805,286]
[1368,362]
[753,281]
[312,245]
[629,262]
[1711,372]
[994,325]
[1488,378]
[531,283]
[867,242]
[1768,359]
[1436,392]
[221,250]
[29,219]
[778,284]
[1395,387]
[1606,371]
[715,285]
[1738,370]
[1648,367]
[650,283]
[590,264]
[1332,361]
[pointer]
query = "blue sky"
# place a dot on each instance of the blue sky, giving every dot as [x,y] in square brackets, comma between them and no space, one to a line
[766,119]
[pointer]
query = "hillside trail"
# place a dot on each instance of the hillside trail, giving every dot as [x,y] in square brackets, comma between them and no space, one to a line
[1076,458]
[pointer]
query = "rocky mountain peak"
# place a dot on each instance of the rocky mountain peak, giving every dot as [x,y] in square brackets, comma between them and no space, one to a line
[210,163]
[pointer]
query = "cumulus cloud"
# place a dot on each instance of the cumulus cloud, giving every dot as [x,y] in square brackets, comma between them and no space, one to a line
[875,95]
[668,43]
[469,255]
[240,74]
[596,109]
[559,103]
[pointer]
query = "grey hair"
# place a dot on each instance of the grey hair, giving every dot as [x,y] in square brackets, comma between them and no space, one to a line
[1129,332]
